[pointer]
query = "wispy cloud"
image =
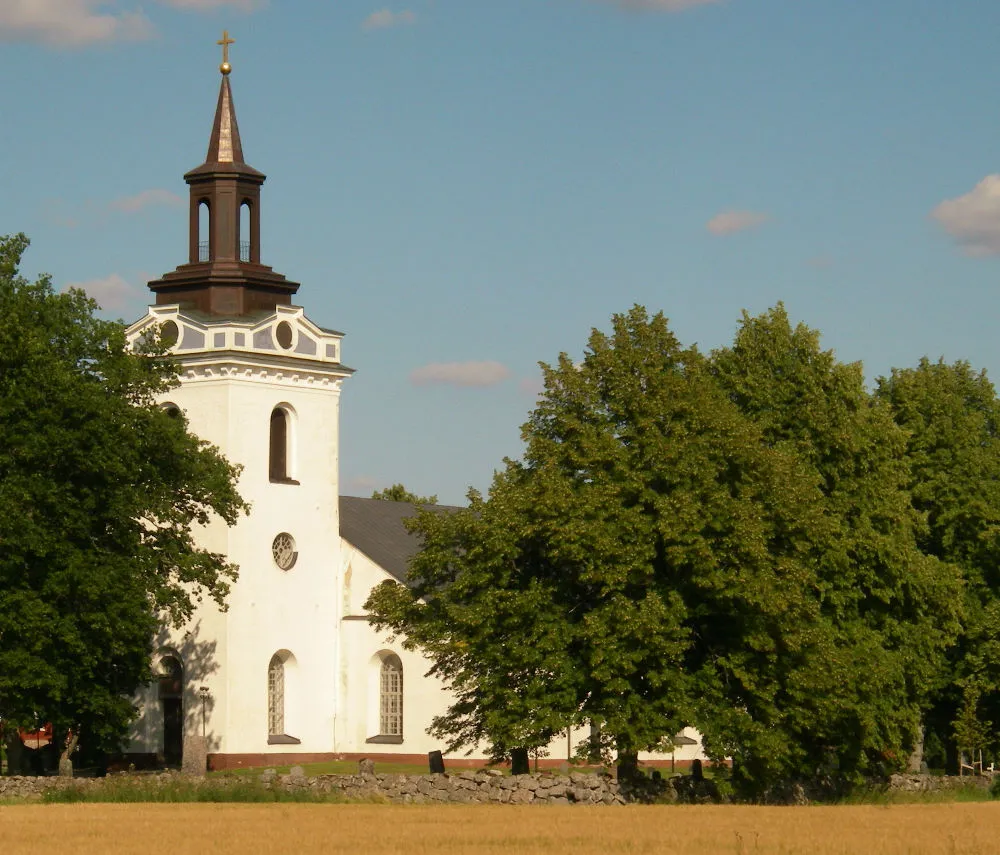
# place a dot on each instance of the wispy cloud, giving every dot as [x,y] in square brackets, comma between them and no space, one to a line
[973,220]
[70,23]
[821,262]
[112,292]
[531,387]
[660,5]
[462,374]
[362,483]
[78,23]
[208,5]
[145,199]
[731,222]
[384,18]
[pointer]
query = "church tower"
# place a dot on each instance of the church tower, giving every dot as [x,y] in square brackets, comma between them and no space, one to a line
[262,382]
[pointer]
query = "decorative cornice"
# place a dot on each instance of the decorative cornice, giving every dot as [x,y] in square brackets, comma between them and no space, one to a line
[216,370]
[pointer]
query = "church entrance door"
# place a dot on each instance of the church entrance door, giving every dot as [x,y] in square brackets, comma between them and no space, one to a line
[171,692]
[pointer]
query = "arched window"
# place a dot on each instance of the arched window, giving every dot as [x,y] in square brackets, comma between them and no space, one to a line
[278,464]
[246,232]
[204,231]
[276,696]
[391,697]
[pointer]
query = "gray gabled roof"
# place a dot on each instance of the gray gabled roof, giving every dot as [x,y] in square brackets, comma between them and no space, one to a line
[375,527]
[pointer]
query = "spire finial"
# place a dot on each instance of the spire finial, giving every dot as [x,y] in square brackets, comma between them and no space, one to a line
[225,41]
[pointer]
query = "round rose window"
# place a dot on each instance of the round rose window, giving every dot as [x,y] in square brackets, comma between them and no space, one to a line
[283,550]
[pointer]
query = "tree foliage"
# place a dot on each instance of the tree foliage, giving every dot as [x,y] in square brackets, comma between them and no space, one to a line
[99,491]
[951,415]
[728,542]
[399,493]
[892,610]
[649,559]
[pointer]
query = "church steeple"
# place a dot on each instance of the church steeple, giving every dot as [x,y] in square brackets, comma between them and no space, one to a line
[224,275]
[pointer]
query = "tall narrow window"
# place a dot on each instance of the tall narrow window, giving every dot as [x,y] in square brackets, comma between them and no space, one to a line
[204,231]
[278,467]
[391,697]
[245,232]
[276,696]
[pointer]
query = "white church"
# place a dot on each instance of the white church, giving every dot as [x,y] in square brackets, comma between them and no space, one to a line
[292,672]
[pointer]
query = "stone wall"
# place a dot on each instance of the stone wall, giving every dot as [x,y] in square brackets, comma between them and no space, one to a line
[468,787]
[482,786]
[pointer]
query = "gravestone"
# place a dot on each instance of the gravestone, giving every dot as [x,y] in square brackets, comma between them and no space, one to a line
[519,762]
[697,774]
[194,760]
[366,766]
[435,760]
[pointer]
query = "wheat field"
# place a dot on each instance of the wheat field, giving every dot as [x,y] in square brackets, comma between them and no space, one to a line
[200,829]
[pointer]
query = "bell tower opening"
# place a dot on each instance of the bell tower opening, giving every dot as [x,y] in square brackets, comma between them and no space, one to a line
[246,232]
[204,231]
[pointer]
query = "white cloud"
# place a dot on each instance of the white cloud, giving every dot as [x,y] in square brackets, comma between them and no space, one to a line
[660,5]
[75,23]
[68,23]
[145,199]
[383,19]
[731,222]
[973,220]
[112,292]
[463,374]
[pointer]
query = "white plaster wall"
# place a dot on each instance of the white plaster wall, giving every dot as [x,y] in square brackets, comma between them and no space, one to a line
[270,610]
[358,707]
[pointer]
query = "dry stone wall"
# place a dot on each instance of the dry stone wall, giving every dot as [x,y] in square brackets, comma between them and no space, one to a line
[468,787]
[471,787]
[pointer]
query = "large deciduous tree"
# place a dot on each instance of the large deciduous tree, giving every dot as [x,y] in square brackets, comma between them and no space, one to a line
[649,563]
[99,491]
[893,609]
[952,418]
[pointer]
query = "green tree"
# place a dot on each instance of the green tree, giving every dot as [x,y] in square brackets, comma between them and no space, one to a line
[647,565]
[99,491]
[952,418]
[399,493]
[892,609]
[971,733]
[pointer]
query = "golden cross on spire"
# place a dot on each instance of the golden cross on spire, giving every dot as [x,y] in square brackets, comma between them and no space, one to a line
[225,41]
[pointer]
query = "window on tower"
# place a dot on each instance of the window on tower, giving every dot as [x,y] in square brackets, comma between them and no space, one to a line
[279,462]
[246,232]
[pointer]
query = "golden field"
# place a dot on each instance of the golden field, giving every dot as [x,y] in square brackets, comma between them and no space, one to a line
[231,829]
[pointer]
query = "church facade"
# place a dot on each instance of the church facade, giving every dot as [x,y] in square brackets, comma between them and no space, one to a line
[292,671]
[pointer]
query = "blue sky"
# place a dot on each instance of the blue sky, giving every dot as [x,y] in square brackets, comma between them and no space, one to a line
[466,187]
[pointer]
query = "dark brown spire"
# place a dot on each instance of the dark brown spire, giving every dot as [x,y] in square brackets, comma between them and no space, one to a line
[224,275]
[224,145]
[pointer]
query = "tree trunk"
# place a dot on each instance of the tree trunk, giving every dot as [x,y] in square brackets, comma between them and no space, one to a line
[65,763]
[519,762]
[916,761]
[628,765]
[594,744]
